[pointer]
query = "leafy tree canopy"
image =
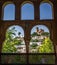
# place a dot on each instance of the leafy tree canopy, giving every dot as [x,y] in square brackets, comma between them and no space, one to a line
[46,47]
[34,34]
[10,42]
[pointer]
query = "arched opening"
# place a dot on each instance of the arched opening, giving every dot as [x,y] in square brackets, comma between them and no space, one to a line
[39,35]
[27,11]
[9,12]
[46,11]
[14,42]
[14,45]
[41,44]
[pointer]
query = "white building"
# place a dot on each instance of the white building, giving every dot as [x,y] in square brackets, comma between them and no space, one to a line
[21,48]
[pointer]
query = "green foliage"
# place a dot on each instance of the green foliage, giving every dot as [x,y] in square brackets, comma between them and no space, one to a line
[34,34]
[34,45]
[10,33]
[10,42]
[34,40]
[37,59]
[17,42]
[46,47]
[19,33]
[13,59]
[8,47]
[45,34]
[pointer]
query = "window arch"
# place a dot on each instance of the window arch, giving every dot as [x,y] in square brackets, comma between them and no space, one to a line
[14,42]
[41,43]
[27,11]
[40,36]
[9,12]
[46,11]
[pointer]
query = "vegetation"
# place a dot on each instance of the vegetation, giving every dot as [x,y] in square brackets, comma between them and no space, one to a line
[34,40]
[45,34]
[34,34]
[10,41]
[34,45]
[46,46]
[37,59]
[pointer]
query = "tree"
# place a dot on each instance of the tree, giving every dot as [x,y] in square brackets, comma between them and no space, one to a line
[35,40]
[10,41]
[34,34]
[46,47]
[34,45]
[19,33]
[45,34]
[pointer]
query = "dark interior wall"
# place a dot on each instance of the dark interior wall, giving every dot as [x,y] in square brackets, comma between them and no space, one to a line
[28,24]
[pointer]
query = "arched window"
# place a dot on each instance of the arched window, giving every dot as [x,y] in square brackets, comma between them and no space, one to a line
[27,11]
[14,42]
[46,11]
[41,43]
[9,12]
[40,36]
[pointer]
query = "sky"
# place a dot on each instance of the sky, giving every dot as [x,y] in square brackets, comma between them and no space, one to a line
[27,13]
[18,29]
[39,27]
[9,12]
[45,11]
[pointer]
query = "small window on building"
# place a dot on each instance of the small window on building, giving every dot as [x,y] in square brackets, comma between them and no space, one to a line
[9,12]
[27,12]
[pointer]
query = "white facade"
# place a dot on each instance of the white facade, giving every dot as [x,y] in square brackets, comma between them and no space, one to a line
[21,48]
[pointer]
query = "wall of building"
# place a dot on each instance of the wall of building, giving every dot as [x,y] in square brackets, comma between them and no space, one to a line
[28,24]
